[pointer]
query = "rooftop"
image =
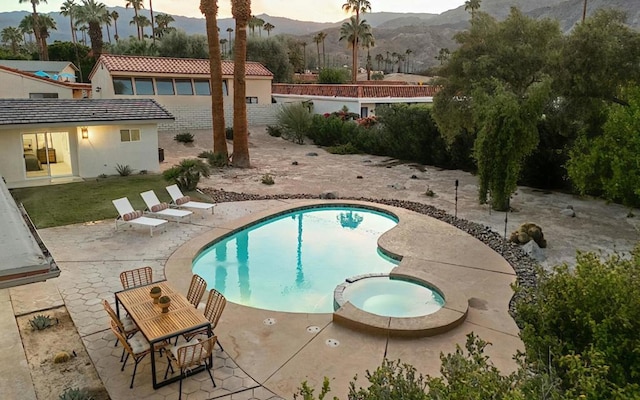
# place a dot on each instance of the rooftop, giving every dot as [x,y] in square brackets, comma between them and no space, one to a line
[73,85]
[356,91]
[35,65]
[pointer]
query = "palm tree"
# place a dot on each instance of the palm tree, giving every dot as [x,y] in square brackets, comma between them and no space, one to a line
[136,5]
[36,27]
[68,9]
[223,45]
[153,27]
[26,26]
[210,10]
[317,39]
[357,6]
[11,36]
[408,52]
[114,17]
[473,6]
[368,41]
[46,23]
[229,30]
[268,27]
[354,32]
[443,55]
[142,22]
[93,14]
[83,29]
[162,24]
[304,56]
[241,11]
[106,20]
[254,22]
[379,58]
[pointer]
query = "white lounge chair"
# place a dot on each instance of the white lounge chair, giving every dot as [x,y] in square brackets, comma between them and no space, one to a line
[154,206]
[134,217]
[180,200]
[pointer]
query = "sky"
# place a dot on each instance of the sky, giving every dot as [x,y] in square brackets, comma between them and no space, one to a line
[304,10]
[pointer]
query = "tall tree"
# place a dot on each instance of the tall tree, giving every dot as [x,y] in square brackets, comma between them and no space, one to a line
[141,21]
[584,11]
[26,26]
[136,5]
[114,17]
[368,41]
[357,6]
[162,25]
[318,39]
[46,23]
[12,37]
[229,32]
[472,6]
[210,10]
[241,11]
[354,32]
[304,56]
[153,24]
[36,27]
[502,98]
[106,20]
[379,59]
[408,52]
[268,27]
[68,10]
[93,14]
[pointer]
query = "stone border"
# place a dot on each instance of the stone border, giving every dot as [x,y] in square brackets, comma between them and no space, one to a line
[452,314]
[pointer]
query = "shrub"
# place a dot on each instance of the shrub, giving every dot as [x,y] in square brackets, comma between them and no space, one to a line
[124,170]
[378,76]
[217,160]
[41,322]
[184,137]
[333,76]
[294,121]
[205,154]
[228,132]
[187,174]
[267,179]
[346,148]
[274,131]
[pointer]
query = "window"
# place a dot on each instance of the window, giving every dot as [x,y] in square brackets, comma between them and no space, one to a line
[122,86]
[129,135]
[202,87]
[252,100]
[183,87]
[165,86]
[43,95]
[144,87]
[225,88]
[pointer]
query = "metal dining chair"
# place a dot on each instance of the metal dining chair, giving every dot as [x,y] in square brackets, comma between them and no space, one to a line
[125,325]
[189,356]
[216,303]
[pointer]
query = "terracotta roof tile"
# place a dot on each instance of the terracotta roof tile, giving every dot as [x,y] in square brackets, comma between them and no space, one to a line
[357,91]
[166,65]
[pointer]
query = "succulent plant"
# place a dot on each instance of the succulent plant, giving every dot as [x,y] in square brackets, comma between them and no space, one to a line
[40,322]
[75,394]
[156,289]
[165,299]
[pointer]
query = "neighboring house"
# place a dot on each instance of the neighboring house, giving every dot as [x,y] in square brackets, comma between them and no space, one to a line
[17,84]
[182,86]
[63,71]
[44,141]
[361,99]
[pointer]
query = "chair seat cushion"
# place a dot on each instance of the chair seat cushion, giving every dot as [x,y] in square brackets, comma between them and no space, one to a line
[183,200]
[138,344]
[128,324]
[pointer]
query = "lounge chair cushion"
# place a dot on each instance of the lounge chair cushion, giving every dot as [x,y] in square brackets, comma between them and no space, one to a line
[159,207]
[132,215]
[183,200]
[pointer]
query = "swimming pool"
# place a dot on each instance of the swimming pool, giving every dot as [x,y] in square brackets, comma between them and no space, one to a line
[293,262]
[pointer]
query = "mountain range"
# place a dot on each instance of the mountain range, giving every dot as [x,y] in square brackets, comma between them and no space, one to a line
[421,33]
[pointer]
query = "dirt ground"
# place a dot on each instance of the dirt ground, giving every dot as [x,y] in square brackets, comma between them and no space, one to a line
[51,379]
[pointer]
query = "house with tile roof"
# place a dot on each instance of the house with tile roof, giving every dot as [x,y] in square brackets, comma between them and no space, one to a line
[63,71]
[182,86]
[19,84]
[361,98]
[45,141]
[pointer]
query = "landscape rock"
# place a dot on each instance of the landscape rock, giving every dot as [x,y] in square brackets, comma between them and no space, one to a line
[329,195]
[397,186]
[568,212]
[534,251]
[528,232]
[312,154]
[294,163]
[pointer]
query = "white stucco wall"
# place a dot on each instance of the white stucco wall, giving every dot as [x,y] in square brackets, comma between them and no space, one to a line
[15,86]
[103,150]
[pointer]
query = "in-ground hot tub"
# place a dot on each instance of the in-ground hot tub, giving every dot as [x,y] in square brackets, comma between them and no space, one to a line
[398,304]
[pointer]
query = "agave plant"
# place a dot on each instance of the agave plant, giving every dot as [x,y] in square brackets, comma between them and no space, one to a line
[40,322]
[187,174]
[75,394]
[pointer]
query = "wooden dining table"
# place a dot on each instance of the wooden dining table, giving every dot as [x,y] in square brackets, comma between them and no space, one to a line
[158,327]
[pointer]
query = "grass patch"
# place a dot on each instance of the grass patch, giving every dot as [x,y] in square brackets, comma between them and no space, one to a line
[77,202]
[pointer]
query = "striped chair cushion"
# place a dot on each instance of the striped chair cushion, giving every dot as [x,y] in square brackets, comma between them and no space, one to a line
[182,200]
[159,207]
[132,215]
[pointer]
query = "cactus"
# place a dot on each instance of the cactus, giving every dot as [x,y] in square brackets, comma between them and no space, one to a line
[63,356]
[75,394]
[40,322]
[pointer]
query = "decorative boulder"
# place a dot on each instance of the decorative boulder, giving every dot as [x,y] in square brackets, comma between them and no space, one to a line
[329,195]
[526,233]
[569,211]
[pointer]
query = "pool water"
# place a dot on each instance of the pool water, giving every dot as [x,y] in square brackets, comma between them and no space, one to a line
[385,296]
[293,262]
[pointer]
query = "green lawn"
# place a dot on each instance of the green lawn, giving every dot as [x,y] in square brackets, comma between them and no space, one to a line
[72,203]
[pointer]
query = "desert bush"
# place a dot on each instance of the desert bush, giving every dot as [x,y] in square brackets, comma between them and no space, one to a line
[124,170]
[378,76]
[205,154]
[333,76]
[217,160]
[294,120]
[267,179]
[274,131]
[342,149]
[184,137]
[187,174]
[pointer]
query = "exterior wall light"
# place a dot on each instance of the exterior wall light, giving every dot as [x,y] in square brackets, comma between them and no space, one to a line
[85,132]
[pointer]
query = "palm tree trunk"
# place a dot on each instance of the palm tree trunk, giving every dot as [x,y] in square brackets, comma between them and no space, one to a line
[108,33]
[73,31]
[210,9]
[354,65]
[153,27]
[240,129]
[135,11]
[324,55]
[584,11]
[36,31]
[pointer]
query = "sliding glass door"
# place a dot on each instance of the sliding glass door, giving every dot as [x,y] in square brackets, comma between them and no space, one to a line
[46,154]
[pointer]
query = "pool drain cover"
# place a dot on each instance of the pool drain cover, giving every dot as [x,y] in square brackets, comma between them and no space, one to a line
[269,321]
[332,343]
[313,329]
